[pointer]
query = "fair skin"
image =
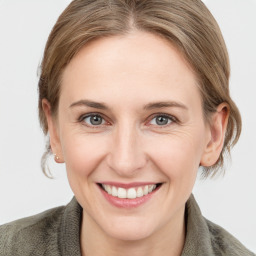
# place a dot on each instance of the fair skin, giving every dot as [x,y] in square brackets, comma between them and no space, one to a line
[130,115]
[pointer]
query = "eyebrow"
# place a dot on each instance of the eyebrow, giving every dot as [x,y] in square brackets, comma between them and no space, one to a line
[149,106]
[89,103]
[165,104]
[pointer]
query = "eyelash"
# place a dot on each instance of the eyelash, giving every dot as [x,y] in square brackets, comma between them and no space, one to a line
[82,118]
[171,119]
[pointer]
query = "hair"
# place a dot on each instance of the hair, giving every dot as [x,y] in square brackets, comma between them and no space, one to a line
[186,24]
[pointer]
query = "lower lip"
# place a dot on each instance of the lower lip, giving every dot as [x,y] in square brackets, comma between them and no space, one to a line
[128,203]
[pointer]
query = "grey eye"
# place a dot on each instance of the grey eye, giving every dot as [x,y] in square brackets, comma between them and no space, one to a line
[94,120]
[161,120]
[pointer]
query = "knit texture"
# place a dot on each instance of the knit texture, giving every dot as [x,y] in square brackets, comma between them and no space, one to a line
[56,233]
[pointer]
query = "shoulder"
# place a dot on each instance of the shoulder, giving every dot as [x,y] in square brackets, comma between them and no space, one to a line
[29,236]
[203,237]
[223,243]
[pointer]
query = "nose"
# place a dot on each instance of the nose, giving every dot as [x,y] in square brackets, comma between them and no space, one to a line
[126,156]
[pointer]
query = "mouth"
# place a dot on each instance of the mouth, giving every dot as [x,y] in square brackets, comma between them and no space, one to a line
[131,192]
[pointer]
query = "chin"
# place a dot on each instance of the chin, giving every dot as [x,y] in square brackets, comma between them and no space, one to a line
[128,231]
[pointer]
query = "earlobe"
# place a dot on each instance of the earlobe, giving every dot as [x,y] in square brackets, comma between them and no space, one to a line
[218,126]
[53,132]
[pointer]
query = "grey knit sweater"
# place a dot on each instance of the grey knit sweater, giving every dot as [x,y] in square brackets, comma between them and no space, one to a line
[56,233]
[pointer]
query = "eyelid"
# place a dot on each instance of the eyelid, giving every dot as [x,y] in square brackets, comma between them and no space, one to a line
[82,117]
[171,117]
[150,118]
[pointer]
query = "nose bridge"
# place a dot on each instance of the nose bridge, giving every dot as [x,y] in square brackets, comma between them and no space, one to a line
[126,156]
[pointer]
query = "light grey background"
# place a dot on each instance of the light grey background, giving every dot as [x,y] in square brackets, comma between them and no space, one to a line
[24,27]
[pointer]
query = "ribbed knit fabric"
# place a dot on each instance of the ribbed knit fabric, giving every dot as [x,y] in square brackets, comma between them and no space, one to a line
[204,238]
[56,233]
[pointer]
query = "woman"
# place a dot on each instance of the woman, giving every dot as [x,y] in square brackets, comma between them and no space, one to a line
[134,96]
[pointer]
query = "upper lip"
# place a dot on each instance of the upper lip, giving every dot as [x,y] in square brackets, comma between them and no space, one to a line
[129,185]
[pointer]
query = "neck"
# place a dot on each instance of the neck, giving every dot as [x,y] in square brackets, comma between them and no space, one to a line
[168,240]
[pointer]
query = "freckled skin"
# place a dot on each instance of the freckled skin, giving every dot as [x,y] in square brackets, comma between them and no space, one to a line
[126,73]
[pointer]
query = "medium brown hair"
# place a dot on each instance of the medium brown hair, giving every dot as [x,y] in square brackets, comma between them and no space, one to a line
[186,24]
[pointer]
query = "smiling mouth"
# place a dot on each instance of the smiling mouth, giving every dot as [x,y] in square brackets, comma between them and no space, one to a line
[130,193]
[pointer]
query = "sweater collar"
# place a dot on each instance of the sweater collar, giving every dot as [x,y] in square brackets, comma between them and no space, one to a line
[69,241]
[198,240]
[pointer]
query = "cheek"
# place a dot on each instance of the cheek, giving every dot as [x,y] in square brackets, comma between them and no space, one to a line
[178,158]
[82,153]
[178,155]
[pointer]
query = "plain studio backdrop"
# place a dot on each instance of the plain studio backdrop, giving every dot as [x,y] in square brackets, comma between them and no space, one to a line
[229,201]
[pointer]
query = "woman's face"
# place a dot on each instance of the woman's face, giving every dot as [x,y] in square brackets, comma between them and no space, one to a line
[130,120]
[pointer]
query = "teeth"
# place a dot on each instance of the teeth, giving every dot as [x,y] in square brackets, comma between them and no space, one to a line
[139,192]
[108,189]
[145,191]
[114,191]
[130,193]
[151,188]
[121,193]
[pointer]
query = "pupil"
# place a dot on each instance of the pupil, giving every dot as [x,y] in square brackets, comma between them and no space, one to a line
[162,120]
[96,120]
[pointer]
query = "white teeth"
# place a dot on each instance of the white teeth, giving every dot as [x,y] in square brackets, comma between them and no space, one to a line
[145,191]
[151,188]
[108,189]
[121,193]
[130,193]
[139,192]
[114,191]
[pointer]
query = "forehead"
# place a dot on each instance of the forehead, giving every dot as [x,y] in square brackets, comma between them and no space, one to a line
[138,65]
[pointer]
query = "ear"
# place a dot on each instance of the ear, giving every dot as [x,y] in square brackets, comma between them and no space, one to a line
[53,132]
[217,125]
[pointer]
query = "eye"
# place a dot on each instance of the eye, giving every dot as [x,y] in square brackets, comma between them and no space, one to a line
[161,120]
[93,120]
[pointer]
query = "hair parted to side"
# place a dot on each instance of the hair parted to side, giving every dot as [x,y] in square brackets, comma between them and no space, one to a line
[187,24]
